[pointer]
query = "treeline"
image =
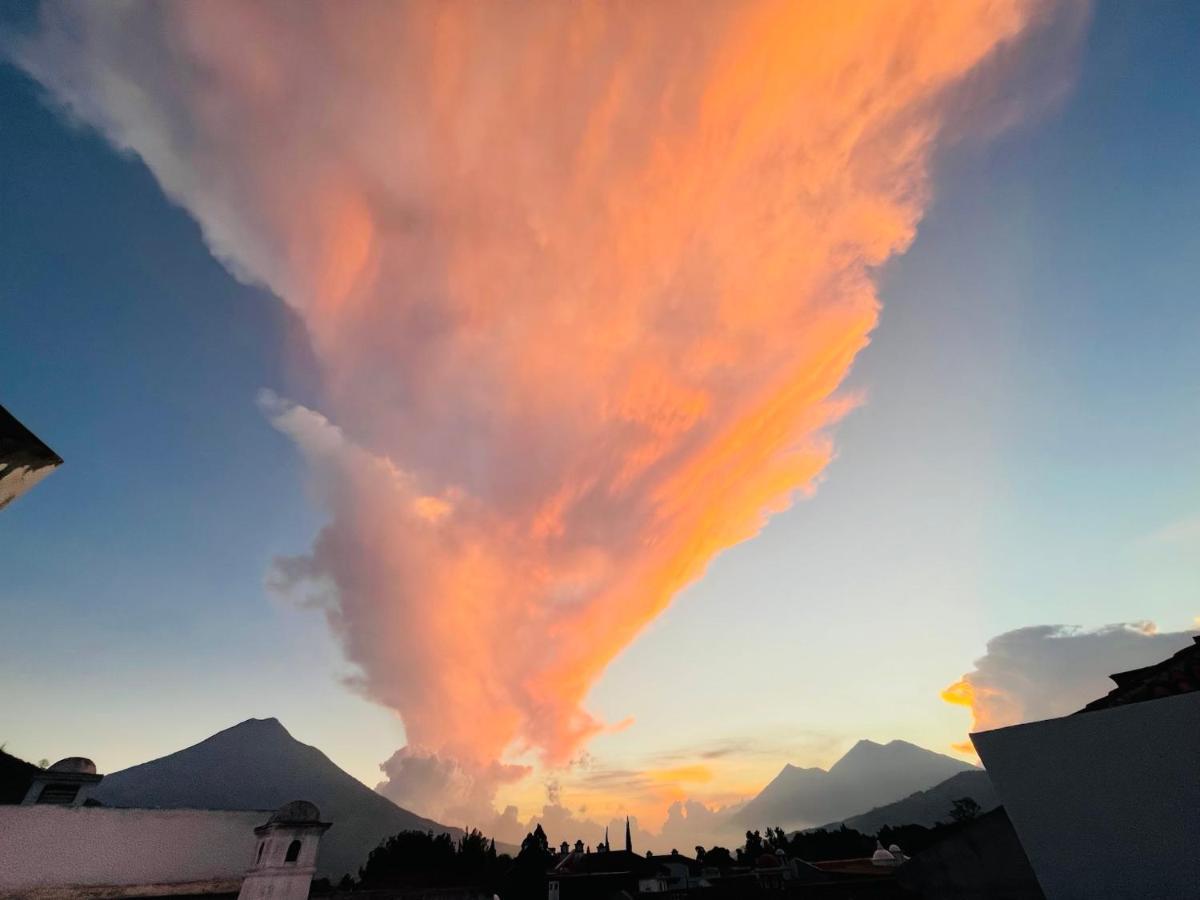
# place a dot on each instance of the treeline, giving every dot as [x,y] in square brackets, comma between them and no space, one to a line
[422,859]
[839,843]
[425,859]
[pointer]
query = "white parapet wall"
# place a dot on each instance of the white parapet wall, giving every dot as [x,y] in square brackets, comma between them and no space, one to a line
[68,852]
[1105,803]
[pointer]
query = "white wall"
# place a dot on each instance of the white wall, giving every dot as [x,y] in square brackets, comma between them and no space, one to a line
[45,846]
[1106,803]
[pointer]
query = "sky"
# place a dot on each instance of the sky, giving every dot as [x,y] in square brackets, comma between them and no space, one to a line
[539,419]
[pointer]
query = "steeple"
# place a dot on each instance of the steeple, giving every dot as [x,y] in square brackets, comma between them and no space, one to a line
[628,839]
[606,838]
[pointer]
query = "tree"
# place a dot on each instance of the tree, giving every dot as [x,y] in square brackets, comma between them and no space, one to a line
[841,843]
[699,854]
[718,858]
[536,842]
[423,859]
[527,875]
[965,809]
[776,840]
[754,844]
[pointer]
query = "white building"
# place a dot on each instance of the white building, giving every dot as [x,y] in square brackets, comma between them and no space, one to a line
[286,856]
[56,846]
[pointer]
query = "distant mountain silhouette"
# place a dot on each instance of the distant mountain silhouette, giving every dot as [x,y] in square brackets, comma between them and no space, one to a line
[259,765]
[927,807]
[869,775]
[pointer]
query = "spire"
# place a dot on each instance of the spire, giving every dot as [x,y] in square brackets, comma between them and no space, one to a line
[628,839]
[605,837]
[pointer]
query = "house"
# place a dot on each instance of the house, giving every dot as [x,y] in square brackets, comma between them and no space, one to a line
[583,875]
[683,872]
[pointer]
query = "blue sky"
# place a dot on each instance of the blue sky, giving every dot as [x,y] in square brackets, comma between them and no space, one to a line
[1026,453]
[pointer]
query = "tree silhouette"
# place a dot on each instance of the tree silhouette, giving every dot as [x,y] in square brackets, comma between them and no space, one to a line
[423,859]
[754,844]
[964,809]
[718,858]
[526,877]
[776,839]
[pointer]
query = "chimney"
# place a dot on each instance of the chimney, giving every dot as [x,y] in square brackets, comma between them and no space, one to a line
[66,783]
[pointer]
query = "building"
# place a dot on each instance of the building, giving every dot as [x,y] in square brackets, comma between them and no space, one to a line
[683,873]
[978,859]
[1106,802]
[60,844]
[24,459]
[579,874]
[1178,674]
[286,856]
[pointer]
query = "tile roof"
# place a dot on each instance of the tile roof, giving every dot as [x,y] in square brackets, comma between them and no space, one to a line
[1178,674]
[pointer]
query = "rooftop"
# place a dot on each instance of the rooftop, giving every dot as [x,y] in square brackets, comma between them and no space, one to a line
[1178,674]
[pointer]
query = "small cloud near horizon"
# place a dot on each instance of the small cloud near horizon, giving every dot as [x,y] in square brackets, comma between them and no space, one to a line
[1045,671]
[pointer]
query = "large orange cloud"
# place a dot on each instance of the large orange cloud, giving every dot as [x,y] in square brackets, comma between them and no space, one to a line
[583,281]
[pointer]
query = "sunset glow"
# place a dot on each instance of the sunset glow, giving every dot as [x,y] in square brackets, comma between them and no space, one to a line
[583,285]
[564,412]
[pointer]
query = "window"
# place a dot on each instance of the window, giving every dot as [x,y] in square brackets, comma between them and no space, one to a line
[59,794]
[293,852]
[261,846]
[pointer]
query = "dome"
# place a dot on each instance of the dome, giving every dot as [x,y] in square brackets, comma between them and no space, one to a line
[767,861]
[75,765]
[296,812]
[894,850]
[882,857]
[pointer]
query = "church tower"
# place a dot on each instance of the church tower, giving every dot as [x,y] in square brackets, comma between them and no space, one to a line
[286,855]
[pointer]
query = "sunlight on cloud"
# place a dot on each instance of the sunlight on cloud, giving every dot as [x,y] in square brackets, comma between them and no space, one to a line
[1045,671]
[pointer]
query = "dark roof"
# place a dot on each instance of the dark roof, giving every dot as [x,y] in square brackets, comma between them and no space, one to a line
[20,451]
[1179,674]
[611,861]
[296,812]
[693,866]
[862,866]
[21,447]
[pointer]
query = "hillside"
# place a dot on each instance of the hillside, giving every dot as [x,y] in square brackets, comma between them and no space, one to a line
[259,765]
[927,807]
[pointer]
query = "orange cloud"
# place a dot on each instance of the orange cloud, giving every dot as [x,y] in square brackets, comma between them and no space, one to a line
[961,693]
[583,282]
[696,773]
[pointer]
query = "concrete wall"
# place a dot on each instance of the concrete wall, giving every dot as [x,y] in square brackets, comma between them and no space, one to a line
[1106,803]
[45,847]
[979,860]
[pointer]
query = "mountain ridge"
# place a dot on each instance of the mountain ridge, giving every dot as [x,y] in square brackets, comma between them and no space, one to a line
[867,776]
[927,807]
